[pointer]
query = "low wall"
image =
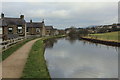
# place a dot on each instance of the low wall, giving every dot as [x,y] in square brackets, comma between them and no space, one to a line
[111,43]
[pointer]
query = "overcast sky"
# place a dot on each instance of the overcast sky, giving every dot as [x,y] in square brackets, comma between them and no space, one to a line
[64,14]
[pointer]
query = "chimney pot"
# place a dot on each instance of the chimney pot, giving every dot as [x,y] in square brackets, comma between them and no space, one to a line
[2,15]
[43,21]
[22,16]
[31,21]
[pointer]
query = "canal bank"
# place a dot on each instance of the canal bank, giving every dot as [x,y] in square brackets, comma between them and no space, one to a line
[106,42]
[36,64]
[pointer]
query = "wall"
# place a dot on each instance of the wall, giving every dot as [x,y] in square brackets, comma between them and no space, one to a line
[32,31]
[15,31]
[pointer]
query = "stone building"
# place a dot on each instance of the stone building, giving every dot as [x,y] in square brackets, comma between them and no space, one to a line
[62,32]
[55,32]
[36,28]
[12,27]
[49,30]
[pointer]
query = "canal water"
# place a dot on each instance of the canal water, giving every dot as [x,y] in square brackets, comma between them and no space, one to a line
[71,58]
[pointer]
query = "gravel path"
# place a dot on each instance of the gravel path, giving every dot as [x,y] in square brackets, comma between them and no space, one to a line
[13,66]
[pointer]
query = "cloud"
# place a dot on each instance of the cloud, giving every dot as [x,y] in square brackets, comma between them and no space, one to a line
[48,14]
[60,0]
[65,14]
[60,14]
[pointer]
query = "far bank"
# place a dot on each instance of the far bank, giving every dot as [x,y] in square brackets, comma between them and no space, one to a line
[111,38]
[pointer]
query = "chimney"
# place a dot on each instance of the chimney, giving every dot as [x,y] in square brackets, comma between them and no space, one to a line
[2,15]
[22,16]
[43,21]
[31,21]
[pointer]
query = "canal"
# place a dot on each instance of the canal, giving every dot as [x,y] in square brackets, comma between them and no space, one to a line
[73,58]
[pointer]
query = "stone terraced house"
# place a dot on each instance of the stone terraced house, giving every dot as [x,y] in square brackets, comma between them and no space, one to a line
[36,28]
[49,30]
[12,27]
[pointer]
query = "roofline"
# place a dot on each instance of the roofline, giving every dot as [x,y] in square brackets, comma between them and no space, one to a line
[34,22]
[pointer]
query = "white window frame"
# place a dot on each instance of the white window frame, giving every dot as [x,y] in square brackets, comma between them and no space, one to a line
[19,29]
[10,28]
[37,29]
[1,30]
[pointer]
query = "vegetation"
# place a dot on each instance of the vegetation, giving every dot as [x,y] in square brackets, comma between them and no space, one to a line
[36,65]
[111,36]
[12,49]
[73,33]
[83,32]
[57,36]
[77,33]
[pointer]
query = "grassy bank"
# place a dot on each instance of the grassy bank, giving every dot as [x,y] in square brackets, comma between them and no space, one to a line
[12,49]
[111,36]
[36,65]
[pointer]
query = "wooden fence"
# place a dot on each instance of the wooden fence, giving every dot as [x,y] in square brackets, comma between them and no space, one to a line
[5,44]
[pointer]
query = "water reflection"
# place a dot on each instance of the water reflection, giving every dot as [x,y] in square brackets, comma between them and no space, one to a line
[81,59]
[49,43]
[71,40]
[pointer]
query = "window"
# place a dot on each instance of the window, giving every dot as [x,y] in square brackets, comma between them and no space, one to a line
[19,29]
[37,30]
[1,30]
[48,31]
[27,30]
[10,30]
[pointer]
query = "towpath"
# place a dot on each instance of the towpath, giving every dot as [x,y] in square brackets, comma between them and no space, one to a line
[13,66]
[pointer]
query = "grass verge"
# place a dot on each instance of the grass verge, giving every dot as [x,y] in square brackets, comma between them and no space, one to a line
[12,49]
[110,36]
[36,64]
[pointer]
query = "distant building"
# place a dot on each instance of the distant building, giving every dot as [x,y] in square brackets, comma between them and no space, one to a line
[36,28]
[49,30]
[12,27]
[55,32]
[62,32]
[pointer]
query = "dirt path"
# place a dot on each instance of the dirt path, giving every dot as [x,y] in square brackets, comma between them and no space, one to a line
[13,66]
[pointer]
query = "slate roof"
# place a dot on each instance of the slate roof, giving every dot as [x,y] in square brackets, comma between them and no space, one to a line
[11,21]
[34,24]
[2,23]
[49,27]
